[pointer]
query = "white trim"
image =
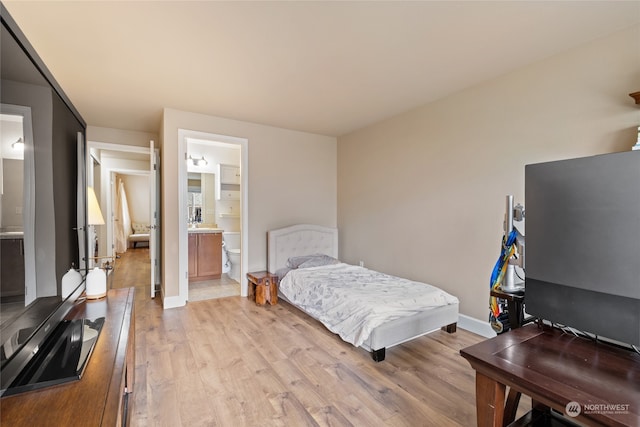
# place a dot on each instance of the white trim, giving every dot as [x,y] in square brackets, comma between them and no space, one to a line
[478,327]
[107,192]
[118,147]
[172,302]
[28,199]
[183,219]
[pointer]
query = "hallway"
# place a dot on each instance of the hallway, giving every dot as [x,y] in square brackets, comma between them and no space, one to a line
[132,269]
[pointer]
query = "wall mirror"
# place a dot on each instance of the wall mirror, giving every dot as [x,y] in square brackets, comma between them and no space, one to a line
[201,198]
[17,254]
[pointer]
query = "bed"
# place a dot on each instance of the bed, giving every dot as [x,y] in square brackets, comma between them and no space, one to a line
[311,278]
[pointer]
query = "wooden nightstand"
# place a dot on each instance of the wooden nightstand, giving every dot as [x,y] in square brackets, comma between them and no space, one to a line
[263,287]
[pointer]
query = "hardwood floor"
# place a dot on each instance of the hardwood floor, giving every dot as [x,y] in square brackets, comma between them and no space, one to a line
[132,269]
[228,362]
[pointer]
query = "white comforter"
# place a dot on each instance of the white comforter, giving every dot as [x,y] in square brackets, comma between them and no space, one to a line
[351,301]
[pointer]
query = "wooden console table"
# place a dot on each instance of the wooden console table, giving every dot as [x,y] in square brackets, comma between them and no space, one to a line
[100,397]
[555,369]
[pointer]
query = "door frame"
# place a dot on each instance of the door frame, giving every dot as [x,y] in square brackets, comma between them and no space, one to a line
[183,258]
[107,197]
[28,200]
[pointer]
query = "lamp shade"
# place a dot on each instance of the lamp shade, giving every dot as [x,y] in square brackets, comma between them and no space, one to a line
[95,214]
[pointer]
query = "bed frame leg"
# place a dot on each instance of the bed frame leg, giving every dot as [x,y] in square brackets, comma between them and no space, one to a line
[450,328]
[378,355]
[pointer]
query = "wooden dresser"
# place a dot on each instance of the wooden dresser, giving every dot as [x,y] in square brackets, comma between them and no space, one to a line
[101,397]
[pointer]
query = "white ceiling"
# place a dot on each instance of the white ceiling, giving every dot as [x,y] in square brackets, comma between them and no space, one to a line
[322,67]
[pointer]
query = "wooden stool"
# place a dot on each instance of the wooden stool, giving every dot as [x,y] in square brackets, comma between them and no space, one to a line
[263,287]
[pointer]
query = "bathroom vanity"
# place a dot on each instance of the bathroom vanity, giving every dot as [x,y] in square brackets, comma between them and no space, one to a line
[205,254]
[12,265]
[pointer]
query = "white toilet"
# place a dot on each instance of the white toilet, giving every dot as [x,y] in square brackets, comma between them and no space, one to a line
[231,254]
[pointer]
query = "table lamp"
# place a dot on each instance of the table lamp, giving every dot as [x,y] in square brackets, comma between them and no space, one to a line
[96,283]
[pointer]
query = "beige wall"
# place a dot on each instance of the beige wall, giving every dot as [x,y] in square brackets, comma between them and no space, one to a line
[421,195]
[137,190]
[292,179]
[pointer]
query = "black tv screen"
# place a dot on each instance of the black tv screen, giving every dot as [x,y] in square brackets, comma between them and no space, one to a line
[583,244]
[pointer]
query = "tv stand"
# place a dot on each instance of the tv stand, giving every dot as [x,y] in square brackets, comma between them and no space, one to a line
[100,397]
[591,382]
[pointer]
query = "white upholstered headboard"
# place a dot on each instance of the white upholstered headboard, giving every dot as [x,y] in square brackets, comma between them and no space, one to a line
[300,239]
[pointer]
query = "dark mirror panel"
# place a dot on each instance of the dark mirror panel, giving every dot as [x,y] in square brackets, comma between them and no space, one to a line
[42,195]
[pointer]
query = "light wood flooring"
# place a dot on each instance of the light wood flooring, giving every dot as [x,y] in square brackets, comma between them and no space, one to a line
[228,362]
[133,269]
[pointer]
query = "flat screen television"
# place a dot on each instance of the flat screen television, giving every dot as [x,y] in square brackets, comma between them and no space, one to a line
[583,244]
[42,209]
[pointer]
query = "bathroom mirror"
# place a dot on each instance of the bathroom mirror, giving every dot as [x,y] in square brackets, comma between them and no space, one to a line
[15,204]
[202,198]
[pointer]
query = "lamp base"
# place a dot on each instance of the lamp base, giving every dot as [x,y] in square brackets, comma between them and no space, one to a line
[96,284]
[97,296]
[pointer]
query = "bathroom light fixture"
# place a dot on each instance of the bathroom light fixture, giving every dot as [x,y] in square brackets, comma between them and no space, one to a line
[18,145]
[199,162]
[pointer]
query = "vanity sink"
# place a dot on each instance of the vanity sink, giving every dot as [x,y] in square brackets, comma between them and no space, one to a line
[205,230]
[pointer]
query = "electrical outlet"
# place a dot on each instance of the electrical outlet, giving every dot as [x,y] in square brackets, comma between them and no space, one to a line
[361,263]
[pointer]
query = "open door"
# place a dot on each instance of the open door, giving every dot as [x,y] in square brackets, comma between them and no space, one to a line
[81,227]
[154,230]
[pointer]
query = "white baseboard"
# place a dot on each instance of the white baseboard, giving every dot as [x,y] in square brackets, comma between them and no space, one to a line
[476,326]
[172,302]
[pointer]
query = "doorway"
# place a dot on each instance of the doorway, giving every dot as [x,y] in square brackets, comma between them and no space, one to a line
[114,171]
[213,199]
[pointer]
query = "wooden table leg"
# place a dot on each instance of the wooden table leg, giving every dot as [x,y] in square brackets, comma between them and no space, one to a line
[489,401]
[511,407]
[251,293]
[261,297]
[274,292]
[267,292]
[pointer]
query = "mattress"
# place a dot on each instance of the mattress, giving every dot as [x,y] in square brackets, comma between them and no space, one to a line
[356,303]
